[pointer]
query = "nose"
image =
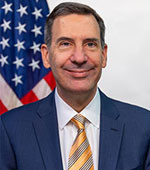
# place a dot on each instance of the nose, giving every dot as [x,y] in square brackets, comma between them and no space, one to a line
[78,56]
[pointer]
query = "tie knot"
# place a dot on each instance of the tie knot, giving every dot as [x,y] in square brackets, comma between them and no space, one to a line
[79,121]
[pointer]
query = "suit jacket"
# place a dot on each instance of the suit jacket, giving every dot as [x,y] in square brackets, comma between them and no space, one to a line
[29,137]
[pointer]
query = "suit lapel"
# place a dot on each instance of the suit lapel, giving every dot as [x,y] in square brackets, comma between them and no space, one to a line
[111,131]
[46,130]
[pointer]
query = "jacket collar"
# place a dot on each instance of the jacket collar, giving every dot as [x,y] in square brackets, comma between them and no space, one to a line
[111,130]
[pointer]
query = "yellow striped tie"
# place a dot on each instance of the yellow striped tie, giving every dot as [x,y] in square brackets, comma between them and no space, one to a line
[80,157]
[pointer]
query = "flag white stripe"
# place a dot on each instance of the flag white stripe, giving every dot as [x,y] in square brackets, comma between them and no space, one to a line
[42,89]
[8,97]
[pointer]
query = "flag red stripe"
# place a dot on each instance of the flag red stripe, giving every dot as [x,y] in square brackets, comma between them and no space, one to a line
[49,78]
[29,97]
[3,109]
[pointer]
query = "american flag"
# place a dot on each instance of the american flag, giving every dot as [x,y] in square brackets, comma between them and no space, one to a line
[23,79]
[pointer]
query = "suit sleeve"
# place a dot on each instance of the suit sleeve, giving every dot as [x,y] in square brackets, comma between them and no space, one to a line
[147,161]
[7,156]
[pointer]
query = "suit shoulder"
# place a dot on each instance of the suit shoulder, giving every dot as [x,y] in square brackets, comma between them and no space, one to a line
[25,112]
[130,110]
[129,106]
[123,107]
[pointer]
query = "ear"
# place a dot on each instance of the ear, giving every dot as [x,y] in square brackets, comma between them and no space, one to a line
[104,56]
[45,55]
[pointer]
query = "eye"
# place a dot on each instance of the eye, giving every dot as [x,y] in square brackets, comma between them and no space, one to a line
[65,44]
[91,45]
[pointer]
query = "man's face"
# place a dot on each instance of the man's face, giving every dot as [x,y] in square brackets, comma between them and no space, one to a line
[75,55]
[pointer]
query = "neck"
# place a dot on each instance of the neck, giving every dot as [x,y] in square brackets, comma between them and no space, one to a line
[78,101]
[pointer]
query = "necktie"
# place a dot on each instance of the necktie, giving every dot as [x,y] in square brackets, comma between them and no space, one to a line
[80,157]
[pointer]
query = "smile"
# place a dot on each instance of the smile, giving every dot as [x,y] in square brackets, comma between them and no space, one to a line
[78,73]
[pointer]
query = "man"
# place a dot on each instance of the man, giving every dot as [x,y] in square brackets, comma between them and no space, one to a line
[50,134]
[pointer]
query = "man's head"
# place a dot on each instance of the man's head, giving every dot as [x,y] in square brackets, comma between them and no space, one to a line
[74,50]
[68,8]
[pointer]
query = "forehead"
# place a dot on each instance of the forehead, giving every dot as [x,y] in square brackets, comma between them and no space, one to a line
[74,24]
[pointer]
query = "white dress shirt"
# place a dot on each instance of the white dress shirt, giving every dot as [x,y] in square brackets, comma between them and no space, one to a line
[68,131]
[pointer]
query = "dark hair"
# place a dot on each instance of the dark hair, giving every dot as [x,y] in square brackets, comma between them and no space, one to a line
[67,8]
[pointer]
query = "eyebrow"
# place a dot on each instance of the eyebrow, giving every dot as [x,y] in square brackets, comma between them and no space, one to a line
[91,39]
[64,39]
[72,40]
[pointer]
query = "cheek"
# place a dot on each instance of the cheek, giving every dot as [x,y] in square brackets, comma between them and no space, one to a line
[95,58]
[59,60]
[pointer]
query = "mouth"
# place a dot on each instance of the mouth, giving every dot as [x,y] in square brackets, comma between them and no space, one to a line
[79,73]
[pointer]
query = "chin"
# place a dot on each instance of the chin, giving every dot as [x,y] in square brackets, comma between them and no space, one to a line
[80,90]
[77,86]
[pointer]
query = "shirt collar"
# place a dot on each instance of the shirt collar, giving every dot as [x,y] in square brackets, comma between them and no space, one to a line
[65,113]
